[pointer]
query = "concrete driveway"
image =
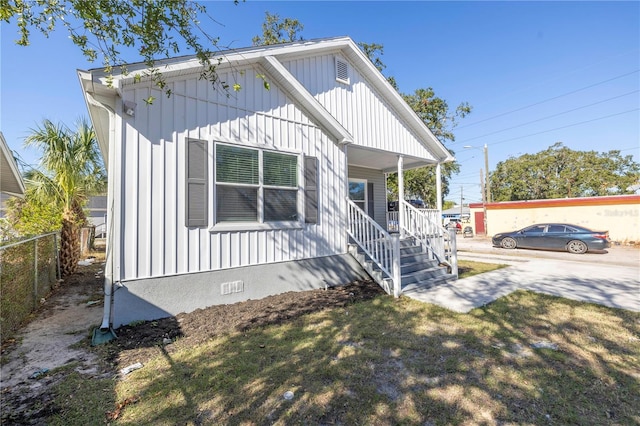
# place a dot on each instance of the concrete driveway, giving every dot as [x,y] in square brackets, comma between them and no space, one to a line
[611,278]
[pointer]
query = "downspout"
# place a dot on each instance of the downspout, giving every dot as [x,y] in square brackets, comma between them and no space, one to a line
[109,264]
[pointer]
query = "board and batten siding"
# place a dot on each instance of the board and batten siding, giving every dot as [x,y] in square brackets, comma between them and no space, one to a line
[360,109]
[377,179]
[154,239]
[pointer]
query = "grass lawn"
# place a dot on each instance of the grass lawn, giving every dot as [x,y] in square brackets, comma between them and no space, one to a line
[388,361]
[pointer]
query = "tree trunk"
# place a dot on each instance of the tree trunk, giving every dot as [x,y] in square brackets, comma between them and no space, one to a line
[69,254]
[72,220]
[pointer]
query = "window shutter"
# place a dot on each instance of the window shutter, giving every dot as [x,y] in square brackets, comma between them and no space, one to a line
[196,214]
[310,189]
[370,199]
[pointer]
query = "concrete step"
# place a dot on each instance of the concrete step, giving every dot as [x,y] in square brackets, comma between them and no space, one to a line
[416,266]
[410,249]
[407,242]
[419,271]
[424,286]
[414,258]
[422,275]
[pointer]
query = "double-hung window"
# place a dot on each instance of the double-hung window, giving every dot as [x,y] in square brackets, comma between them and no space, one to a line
[255,185]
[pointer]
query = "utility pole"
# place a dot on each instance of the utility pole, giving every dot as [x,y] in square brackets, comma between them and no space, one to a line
[484,202]
[486,185]
[486,170]
[484,193]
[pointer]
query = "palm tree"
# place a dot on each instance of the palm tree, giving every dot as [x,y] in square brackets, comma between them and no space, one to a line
[70,169]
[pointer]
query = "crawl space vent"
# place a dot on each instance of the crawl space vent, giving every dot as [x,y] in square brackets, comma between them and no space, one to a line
[342,71]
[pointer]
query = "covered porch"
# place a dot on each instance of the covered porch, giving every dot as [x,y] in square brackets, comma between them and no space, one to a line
[399,249]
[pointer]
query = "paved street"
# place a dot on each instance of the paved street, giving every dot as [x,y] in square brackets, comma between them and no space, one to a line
[611,278]
[616,255]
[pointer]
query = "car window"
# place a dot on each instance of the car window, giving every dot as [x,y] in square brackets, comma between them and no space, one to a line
[536,229]
[556,228]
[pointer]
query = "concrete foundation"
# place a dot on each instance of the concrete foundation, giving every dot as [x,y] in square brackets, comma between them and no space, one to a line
[154,298]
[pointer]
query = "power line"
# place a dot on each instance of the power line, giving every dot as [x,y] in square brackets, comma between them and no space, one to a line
[550,116]
[603,60]
[564,127]
[630,149]
[549,99]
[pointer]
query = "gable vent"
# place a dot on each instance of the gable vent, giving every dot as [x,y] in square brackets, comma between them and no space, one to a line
[342,71]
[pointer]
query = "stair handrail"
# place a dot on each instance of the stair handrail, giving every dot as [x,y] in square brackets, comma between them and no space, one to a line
[432,236]
[382,248]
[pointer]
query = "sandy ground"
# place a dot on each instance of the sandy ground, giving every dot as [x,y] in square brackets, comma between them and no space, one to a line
[50,340]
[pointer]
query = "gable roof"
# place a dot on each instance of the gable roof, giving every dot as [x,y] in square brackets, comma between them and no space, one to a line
[101,99]
[10,178]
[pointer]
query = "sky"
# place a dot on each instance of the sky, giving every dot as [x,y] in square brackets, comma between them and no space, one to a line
[534,73]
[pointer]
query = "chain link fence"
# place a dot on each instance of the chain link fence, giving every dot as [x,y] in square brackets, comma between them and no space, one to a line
[28,270]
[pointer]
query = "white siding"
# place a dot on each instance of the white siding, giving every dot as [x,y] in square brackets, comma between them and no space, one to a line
[377,178]
[361,110]
[154,239]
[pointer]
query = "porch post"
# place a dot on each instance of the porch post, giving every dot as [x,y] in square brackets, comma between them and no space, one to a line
[401,217]
[345,204]
[397,273]
[439,188]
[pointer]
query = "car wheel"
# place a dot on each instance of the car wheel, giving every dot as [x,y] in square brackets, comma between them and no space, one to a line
[508,243]
[577,247]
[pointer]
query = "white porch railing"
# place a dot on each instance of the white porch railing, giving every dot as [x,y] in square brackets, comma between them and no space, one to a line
[424,225]
[382,248]
[392,222]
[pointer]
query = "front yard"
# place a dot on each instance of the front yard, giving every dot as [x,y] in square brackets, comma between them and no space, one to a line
[355,356]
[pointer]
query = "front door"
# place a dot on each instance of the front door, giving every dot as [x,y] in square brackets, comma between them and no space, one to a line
[358,193]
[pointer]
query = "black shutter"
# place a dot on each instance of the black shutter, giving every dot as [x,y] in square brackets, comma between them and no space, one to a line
[370,199]
[310,189]
[197,188]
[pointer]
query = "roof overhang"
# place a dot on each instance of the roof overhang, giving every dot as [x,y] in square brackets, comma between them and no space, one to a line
[101,104]
[10,178]
[382,160]
[101,98]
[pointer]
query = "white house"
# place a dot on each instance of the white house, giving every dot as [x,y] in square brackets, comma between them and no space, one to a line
[221,196]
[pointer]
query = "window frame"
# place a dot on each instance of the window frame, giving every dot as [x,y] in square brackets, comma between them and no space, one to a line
[365,193]
[260,223]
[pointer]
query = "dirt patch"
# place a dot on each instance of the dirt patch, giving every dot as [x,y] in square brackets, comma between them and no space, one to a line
[56,342]
[140,342]
[50,341]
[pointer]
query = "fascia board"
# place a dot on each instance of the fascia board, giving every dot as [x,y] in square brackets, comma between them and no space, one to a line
[100,101]
[230,58]
[408,166]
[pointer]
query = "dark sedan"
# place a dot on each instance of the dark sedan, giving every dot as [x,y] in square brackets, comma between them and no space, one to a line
[554,236]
